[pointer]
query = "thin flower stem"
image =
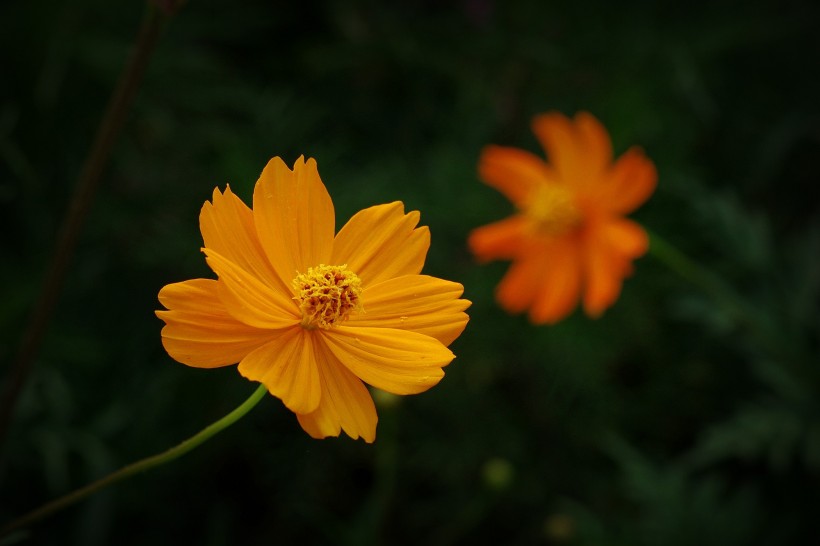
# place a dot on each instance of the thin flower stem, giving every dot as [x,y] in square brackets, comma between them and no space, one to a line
[740,310]
[687,268]
[87,183]
[137,467]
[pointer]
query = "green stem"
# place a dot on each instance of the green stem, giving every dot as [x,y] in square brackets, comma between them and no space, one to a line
[738,309]
[690,270]
[137,467]
[87,184]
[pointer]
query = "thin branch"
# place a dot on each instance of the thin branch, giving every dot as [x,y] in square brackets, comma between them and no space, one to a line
[87,184]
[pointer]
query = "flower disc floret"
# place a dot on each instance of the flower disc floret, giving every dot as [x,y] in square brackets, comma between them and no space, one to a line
[327,295]
[554,210]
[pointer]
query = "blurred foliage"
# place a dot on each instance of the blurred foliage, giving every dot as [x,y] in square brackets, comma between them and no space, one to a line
[677,418]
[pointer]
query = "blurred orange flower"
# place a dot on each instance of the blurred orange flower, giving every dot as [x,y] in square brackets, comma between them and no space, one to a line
[568,239]
[310,314]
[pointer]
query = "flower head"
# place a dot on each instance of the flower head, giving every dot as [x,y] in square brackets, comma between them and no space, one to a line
[568,239]
[310,313]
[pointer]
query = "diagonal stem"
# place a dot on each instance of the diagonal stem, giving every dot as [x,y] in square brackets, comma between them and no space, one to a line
[694,273]
[724,295]
[137,467]
[87,183]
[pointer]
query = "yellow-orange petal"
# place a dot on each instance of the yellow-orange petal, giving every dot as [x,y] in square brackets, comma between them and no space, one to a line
[294,217]
[502,240]
[287,366]
[228,228]
[515,173]
[396,361]
[346,403]
[628,184]
[560,284]
[382,242]
[417,303]
[199,331]
[580,149]
[248,299]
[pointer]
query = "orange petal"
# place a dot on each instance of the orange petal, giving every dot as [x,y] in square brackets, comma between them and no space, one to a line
[248,299]
[500,240]
[560,284]
[228,228]
[519,286]
[287,366]
[604,271]
[418,303]
[580,149]
[595,142]
[628,184]
[515,173]
[199,331]
[379,243]
[346,403]
[294,217]
[395,361]
[626,237]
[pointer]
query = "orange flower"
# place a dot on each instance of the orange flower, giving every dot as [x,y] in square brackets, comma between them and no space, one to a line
[568,239]
[309,314]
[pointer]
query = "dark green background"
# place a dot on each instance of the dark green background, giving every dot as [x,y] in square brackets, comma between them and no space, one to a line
[670,421]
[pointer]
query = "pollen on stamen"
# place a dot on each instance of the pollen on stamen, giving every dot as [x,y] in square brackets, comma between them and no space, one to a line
[327,295]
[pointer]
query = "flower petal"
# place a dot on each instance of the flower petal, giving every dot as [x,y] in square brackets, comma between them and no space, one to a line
[560,284]
[515,173]
[228,228]
[382,242]
[346,403]
[248,299]
[294,217]
[580,150]
[418,303]
[595,141]
[500,240]
[395,361]
[628,184]
[626,237]
[521,283]
[287,366]
[199,331]
[604,271]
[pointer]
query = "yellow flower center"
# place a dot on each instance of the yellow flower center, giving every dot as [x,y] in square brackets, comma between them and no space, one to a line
[554,210]
[327,294]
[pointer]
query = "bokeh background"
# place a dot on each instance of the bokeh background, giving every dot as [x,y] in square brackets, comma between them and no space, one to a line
[674,419]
